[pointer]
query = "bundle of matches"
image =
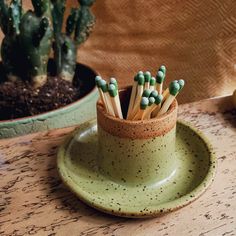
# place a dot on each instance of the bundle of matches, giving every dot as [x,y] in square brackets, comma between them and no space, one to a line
[147,100]
[109,96]
[153,102]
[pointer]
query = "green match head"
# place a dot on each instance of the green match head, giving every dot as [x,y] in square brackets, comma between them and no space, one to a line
[97,79]
[141,79]
[154,94]
[151,101]
[147,76]
[181,83]
[103,85]
[153,81]
[146,93]
[114,81]
[158,99]
[144,103]
[160,77]
[137,75]
[163,69]
[174,88]
[112,90]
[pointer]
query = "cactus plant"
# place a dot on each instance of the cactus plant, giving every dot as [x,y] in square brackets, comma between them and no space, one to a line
[35,39]
[78,27]
[10,22]
[30,36]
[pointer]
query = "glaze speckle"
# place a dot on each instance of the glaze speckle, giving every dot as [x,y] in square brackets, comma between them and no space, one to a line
[39,204]
[77,161]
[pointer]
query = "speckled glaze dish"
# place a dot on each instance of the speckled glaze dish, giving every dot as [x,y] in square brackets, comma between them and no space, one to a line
[195,169]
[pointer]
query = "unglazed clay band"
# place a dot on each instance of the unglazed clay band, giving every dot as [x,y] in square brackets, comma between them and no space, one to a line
[143,129]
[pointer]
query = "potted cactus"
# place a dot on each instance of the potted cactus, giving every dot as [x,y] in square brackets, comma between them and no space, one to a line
[41,84]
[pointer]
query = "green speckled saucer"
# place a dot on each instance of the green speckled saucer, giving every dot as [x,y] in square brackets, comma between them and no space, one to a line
[193,174]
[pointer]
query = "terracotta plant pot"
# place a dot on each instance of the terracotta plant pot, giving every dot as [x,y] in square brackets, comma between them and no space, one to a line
[75,113]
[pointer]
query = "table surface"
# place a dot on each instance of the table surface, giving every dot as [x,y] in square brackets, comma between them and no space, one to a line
[33,200]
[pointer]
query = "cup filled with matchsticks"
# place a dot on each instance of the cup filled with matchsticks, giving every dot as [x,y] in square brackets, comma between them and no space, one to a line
[137,128]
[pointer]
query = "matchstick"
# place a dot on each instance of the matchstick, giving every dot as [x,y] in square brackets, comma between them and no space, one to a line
[181,83]
[152,83]
[154,94]
[114,81]
[157,106]
[146,93]
[163,69]
[147,77]
[103,85]
[143,105]
[159,80]
[147,112]
[115,100]
[174,89]
[166,93]
[138,95]
[97,81]
[133,94]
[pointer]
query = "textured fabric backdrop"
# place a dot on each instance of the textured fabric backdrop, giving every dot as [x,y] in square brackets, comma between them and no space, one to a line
[195,39]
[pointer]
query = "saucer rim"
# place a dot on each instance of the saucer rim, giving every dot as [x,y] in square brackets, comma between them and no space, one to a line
[160,209]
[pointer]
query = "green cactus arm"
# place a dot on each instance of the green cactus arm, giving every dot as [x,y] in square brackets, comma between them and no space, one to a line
[65,57]
[42,7]
[15,14]
[3,16]
[58,10]
[71,21]
[43,27]
[85,22]
[35,40]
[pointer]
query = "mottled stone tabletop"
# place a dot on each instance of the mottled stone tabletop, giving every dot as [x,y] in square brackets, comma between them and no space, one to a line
[33,200]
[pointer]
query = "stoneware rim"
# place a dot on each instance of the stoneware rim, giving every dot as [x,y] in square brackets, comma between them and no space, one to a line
[159,209]
[47,114]
[173,107]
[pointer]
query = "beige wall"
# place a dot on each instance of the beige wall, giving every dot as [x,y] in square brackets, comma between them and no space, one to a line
[195,39]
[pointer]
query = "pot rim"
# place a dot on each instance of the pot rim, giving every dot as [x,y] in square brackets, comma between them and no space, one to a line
[138,129]
[101,108]
[48,113]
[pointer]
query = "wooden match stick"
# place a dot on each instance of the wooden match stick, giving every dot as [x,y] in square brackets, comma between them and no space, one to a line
[146,93]
[181,83]
[163,69]
[146,114]
[138,95]
[152,84]
[133,94]
[160,79]
[143,105]
[103,85]
[97,81]
[114,81]
[157,106]
[166,93]
[174,89]
[147,77]
[153,94]
[115,100]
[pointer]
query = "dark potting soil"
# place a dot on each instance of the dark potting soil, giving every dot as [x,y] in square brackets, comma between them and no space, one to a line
[19,99]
